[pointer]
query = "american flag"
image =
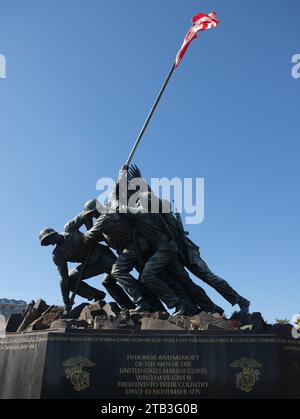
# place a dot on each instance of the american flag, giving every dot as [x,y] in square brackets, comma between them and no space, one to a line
[201,22]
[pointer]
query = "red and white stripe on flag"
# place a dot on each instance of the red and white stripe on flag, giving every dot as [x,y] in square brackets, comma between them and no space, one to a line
[201,22]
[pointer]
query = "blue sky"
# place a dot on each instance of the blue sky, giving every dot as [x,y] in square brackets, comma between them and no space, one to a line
[81,76]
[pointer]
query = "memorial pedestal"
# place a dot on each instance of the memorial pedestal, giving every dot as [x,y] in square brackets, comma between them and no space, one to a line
[149,365]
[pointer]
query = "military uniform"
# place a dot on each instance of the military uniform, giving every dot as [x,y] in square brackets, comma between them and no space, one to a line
[164,264]
[83,218]
[190,256]
[100,261]
[116,231]
[115,291]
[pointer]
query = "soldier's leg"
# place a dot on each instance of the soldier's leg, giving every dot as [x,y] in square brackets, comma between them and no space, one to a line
[85,290]
[150,277]
[106,260]
[148,295]
[151,298]
[178,288]
[98,263]
[117,293]
[120,271]
[200,269]
[194,291]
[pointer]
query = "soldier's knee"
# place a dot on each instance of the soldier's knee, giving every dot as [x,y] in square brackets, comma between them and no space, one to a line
[146,277]
[115,270]
[118,269]
[210,276]
[108,280]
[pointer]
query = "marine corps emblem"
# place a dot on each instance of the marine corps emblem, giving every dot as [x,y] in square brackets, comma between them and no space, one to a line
[246,379]
[79,378]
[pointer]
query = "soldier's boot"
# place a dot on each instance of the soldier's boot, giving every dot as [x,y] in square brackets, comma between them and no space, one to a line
[185,309]
[218,310]
[180,311]
[142,306]
[148,306]
[194,310]
[244,305]
[150,298]
[99,296]
[160,289]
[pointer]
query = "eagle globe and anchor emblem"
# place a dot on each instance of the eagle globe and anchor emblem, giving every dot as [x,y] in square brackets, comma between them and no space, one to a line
[246,379]
[74,371]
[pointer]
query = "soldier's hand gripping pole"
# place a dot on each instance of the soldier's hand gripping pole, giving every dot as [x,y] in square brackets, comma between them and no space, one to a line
[132,153]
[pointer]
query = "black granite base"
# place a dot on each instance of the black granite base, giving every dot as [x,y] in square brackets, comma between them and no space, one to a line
[156,365]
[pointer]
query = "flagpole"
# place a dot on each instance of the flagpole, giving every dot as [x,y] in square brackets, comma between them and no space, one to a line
[130,157]
[134,148]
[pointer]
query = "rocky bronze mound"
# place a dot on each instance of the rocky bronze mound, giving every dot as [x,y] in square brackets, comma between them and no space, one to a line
[108,316]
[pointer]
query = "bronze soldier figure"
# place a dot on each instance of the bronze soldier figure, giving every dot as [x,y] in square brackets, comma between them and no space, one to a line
[196,265]
[164,254]
[116,231]
[191,259]
[71,248]
[164,260]
[91,210]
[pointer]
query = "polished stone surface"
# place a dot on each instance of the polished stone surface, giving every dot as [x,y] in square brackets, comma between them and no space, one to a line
[149,365]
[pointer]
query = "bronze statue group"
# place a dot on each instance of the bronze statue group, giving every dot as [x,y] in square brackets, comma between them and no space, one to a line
[119,241]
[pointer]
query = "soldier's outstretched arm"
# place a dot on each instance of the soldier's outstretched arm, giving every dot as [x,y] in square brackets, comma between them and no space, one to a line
[95,234]
[81,219]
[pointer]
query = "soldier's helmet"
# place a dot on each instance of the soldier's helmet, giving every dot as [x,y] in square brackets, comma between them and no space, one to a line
[45,234]
[90,205]
[93,205]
